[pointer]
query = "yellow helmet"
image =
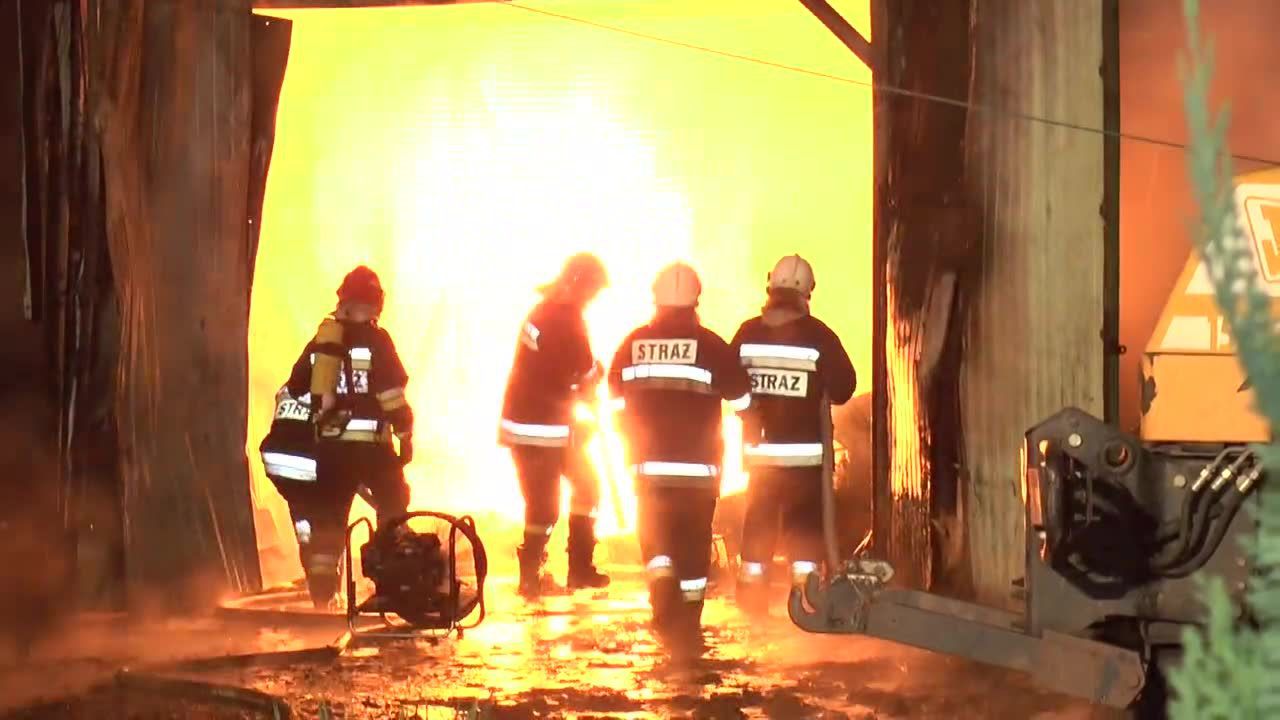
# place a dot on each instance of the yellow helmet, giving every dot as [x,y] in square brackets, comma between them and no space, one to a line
[677,285]
[792,273]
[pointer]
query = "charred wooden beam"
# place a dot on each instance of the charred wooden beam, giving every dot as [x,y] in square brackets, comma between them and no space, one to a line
[271,41]
[923,221]
[843,31]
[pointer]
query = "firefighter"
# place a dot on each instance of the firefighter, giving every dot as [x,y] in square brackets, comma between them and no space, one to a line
[356,383]
[672,375]
[552,370]
[794,359]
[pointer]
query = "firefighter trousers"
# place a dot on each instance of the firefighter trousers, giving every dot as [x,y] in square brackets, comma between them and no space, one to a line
[786,501]
[320,510]
[540,470]
[674,529]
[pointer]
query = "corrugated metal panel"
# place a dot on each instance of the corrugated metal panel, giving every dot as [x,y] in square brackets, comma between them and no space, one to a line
[1033,341]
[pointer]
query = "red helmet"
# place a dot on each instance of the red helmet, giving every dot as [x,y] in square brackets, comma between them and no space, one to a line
[363,287]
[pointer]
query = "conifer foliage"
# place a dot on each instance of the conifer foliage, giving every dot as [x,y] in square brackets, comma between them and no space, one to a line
[1231,666]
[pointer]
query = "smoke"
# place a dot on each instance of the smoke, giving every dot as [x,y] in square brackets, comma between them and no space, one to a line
[1155,198]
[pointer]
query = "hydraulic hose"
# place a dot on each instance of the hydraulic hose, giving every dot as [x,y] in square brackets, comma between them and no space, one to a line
[1190,542]
[1232,503]
[828,485]
[1188,506]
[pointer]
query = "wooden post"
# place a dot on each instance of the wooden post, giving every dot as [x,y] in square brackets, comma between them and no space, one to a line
[922,216]
[1037,303]
[170,97]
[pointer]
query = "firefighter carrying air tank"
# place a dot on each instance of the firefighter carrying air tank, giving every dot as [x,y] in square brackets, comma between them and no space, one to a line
[333,429]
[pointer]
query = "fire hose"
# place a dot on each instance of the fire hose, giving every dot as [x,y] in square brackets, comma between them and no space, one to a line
[828,485]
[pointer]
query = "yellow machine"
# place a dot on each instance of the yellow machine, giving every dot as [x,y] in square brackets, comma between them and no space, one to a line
[1119,529]
[1193,387]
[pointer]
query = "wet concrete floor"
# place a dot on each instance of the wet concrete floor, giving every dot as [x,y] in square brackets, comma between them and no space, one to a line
[591,655]
[585,655]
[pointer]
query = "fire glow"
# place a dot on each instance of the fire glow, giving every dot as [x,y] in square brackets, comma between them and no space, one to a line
[464,151]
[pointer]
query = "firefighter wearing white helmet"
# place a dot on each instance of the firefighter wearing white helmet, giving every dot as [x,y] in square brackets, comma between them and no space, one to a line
[672,375]
[794,359]
[553,368]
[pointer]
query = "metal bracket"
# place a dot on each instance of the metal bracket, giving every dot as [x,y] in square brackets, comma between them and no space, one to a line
[858,603]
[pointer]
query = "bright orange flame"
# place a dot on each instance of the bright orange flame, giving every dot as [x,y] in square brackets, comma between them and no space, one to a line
[464,151]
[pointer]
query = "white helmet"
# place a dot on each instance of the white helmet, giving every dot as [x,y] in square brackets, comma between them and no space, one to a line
[677,285]
[792,273]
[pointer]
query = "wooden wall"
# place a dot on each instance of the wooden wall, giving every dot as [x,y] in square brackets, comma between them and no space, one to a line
[171,97]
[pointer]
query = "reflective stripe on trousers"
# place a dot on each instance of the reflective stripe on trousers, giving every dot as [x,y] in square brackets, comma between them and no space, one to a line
[677,474]
[800,570]
[514,433]
[783,454]
[693,589]
[289,467]
[751,572]
[661,566]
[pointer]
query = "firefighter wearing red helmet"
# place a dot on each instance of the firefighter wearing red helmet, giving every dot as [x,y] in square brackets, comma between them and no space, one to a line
[672,376]
[552,370]
[356,382]
[794,360]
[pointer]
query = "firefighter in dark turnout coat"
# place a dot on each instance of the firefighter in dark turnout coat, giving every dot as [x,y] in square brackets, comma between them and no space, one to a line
[356,384]
[672,375]
[794,359]
[552,370]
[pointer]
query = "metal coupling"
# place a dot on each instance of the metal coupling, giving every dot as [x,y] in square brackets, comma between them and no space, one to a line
[1206,473]
[1205,476]
[1247,481]
[1230,471]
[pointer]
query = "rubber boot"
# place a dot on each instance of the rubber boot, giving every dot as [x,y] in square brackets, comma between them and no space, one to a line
[582,544]
[532,555]
[752,598]
[684,638]
[664,600]
[323,579]
[751,593]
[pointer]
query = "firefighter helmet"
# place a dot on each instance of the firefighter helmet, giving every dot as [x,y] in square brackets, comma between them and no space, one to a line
[677,285]
[361,286]
[792,273]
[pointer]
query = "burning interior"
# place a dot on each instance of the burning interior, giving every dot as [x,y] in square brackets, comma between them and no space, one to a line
[464,151]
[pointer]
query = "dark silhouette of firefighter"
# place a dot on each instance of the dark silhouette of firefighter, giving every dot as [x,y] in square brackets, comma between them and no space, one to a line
[794,360]
[554,369]
[335,420]
[672,376]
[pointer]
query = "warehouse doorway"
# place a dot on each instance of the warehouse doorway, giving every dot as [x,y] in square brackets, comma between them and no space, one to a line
[464,151]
